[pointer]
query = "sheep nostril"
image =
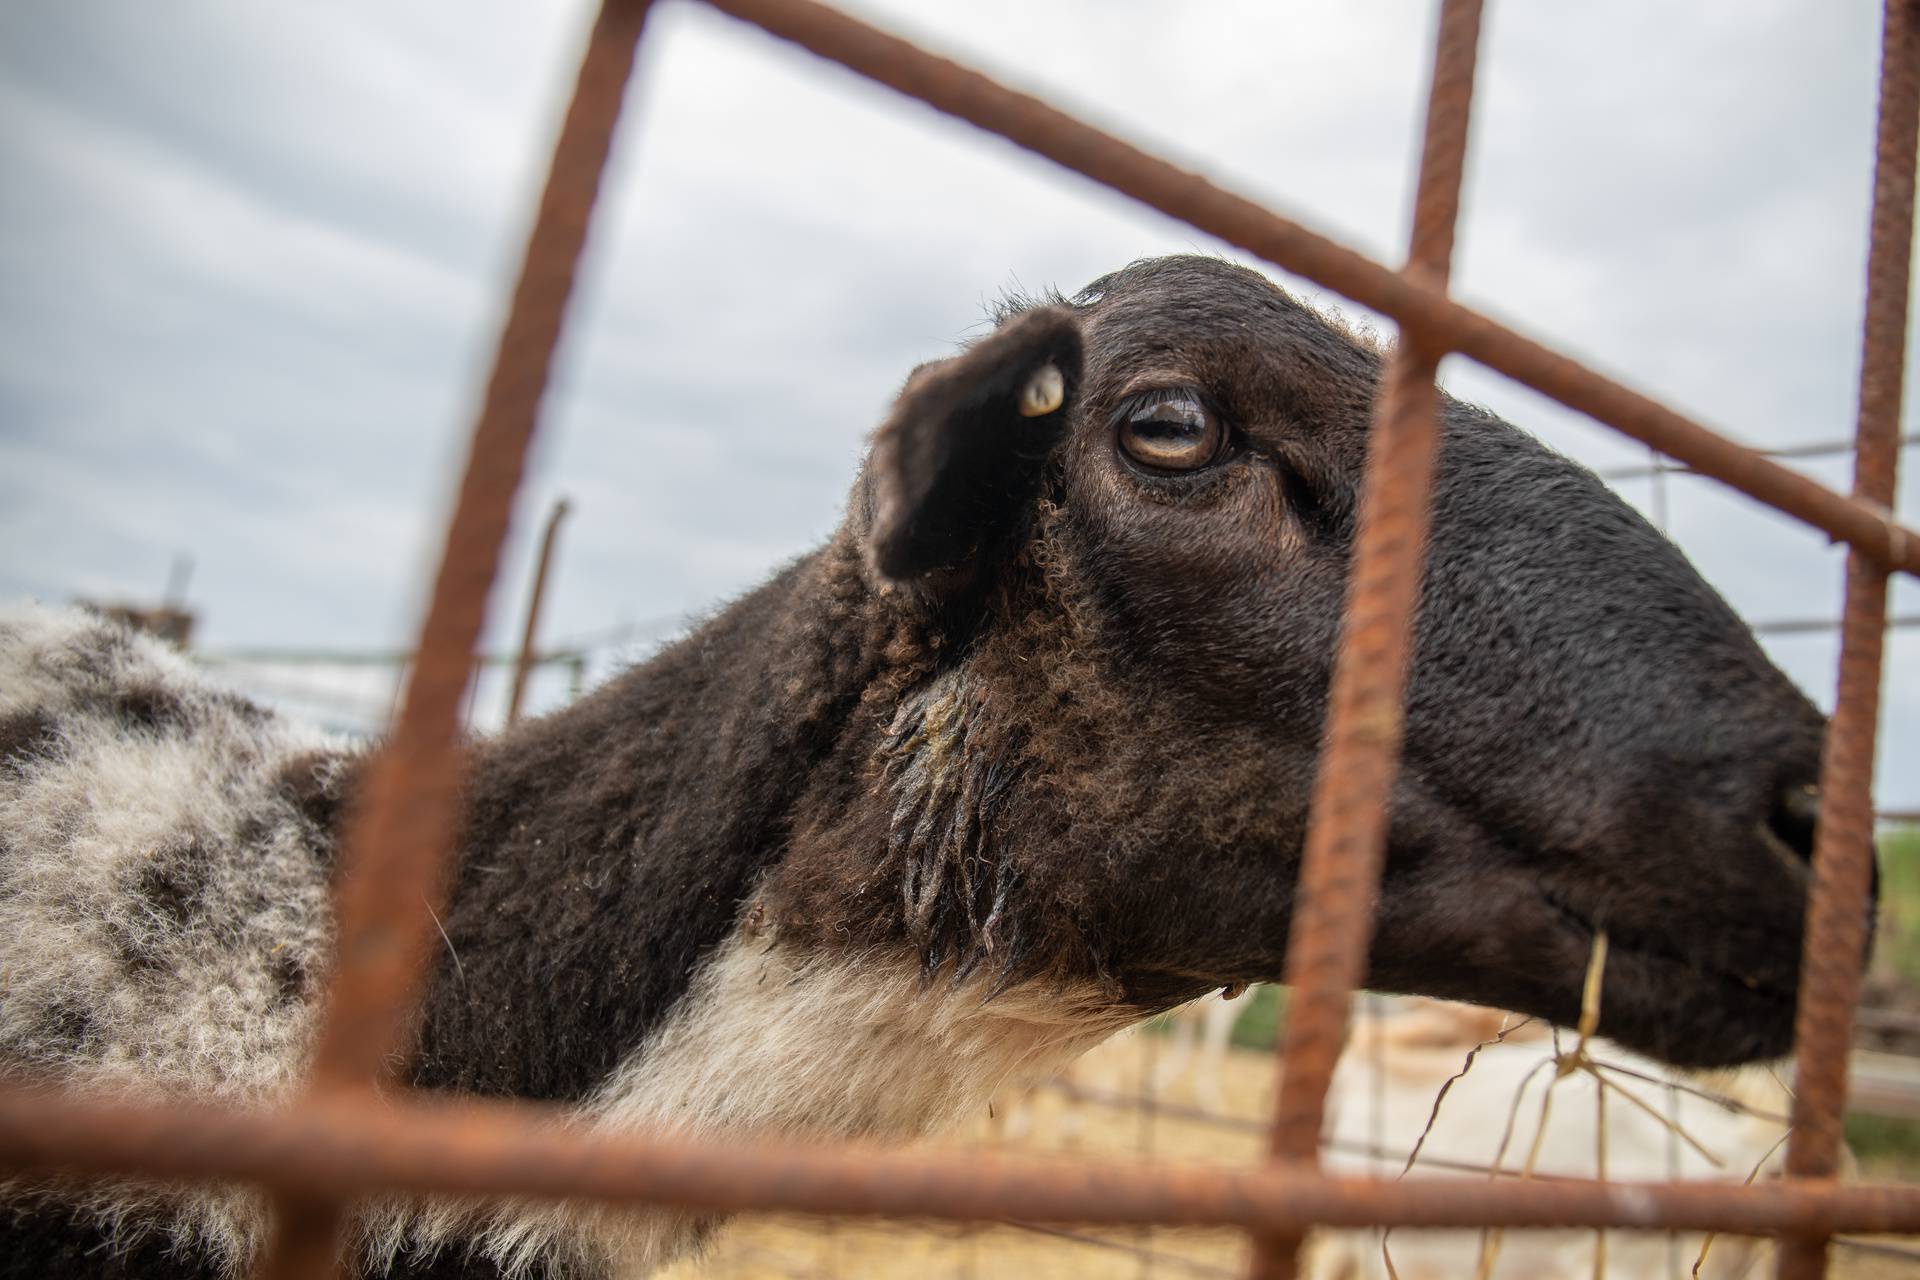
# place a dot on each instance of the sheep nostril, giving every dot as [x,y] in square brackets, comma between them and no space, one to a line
[1794,818]
[1793,823]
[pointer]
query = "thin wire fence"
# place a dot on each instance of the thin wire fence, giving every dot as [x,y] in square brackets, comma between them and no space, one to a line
[355,692]
[354,1130]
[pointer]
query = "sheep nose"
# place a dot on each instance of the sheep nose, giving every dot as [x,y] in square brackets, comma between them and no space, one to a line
[1793,822]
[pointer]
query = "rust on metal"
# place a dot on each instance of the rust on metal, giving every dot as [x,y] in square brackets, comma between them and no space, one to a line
[398,840]
[338,1145]
[523,665]
[1837,912]
[1046,131]
[1347,832]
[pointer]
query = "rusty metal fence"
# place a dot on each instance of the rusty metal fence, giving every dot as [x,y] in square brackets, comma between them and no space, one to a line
[353,1132]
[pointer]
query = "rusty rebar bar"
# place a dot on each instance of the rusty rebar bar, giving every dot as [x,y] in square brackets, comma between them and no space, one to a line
[529,655]
[397,842]
[338,1145]
[1838,909]
[1347,828]
[1046,131]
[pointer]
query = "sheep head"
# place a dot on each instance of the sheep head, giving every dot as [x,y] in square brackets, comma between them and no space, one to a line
[1127,522]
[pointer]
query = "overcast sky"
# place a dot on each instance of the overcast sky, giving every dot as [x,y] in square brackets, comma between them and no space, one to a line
[252,256]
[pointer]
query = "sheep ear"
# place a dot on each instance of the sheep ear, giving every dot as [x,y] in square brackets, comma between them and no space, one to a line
[957,466]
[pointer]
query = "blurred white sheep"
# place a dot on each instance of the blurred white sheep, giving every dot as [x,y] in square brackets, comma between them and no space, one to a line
[1383,1094]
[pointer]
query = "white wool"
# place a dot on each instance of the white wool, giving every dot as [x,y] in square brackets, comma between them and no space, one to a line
[772,1042]
[97,807]
[80,827]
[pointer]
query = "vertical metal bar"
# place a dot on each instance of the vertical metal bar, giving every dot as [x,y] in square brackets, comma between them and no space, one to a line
[463,716]
[1836,933]
[1340,872]
[394,853]
[523,665]
[1147,1119]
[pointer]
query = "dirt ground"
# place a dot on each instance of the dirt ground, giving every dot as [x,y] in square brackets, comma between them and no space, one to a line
[1047,1121]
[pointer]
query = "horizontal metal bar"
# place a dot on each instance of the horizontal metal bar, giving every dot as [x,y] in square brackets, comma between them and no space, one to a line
[340,1146]
[1871,1019]
[359,657]
[1441,323]
[1816,626]
[1881,1248]
[560,657]
[1818,449]
[1147,1258]
[1882,1084]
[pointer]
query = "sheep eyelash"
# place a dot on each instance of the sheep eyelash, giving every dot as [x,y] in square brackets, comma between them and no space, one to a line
[1133,403]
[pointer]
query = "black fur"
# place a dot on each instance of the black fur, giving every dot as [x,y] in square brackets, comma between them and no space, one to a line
[148,708]
[47,1241]
[956,467]
[620,866]
[26,736]
[167,886]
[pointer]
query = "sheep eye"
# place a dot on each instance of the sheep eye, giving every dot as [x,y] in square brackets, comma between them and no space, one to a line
[1171,431]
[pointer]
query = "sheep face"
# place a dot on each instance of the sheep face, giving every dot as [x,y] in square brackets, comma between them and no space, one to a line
[1132,583]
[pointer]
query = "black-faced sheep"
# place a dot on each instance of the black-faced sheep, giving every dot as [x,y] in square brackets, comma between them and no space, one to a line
[1020,756]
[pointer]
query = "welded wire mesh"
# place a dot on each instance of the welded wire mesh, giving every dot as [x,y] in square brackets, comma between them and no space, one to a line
[342,1138]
